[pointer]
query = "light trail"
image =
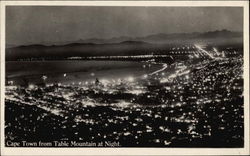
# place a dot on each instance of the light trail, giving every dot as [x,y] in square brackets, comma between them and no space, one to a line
[201,54]
[204,51]
[216,51]
[177,73]
[164,67]
[196,54]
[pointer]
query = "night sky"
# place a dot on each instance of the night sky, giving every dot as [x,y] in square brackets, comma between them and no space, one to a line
[35,25]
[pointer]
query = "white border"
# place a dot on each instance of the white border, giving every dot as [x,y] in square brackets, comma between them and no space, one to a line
[131,151]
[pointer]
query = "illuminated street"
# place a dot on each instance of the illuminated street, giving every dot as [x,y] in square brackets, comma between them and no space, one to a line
[185,104]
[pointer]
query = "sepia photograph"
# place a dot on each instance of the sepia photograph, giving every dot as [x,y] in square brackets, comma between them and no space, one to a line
[104,76]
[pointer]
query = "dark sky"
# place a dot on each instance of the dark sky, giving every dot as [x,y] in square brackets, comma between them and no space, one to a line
[33,24]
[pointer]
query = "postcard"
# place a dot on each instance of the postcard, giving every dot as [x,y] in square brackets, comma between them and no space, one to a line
[125,78]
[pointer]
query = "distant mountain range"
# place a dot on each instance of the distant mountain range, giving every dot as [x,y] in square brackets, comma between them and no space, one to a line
[155,38]
[121,45]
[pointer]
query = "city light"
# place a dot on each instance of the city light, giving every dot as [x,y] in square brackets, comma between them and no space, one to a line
[196,98]
[130,79]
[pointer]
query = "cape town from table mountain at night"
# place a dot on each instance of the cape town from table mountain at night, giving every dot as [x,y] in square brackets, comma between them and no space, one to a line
[125,76]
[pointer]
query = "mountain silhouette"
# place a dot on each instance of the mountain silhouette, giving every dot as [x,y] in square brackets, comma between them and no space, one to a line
[107,47]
